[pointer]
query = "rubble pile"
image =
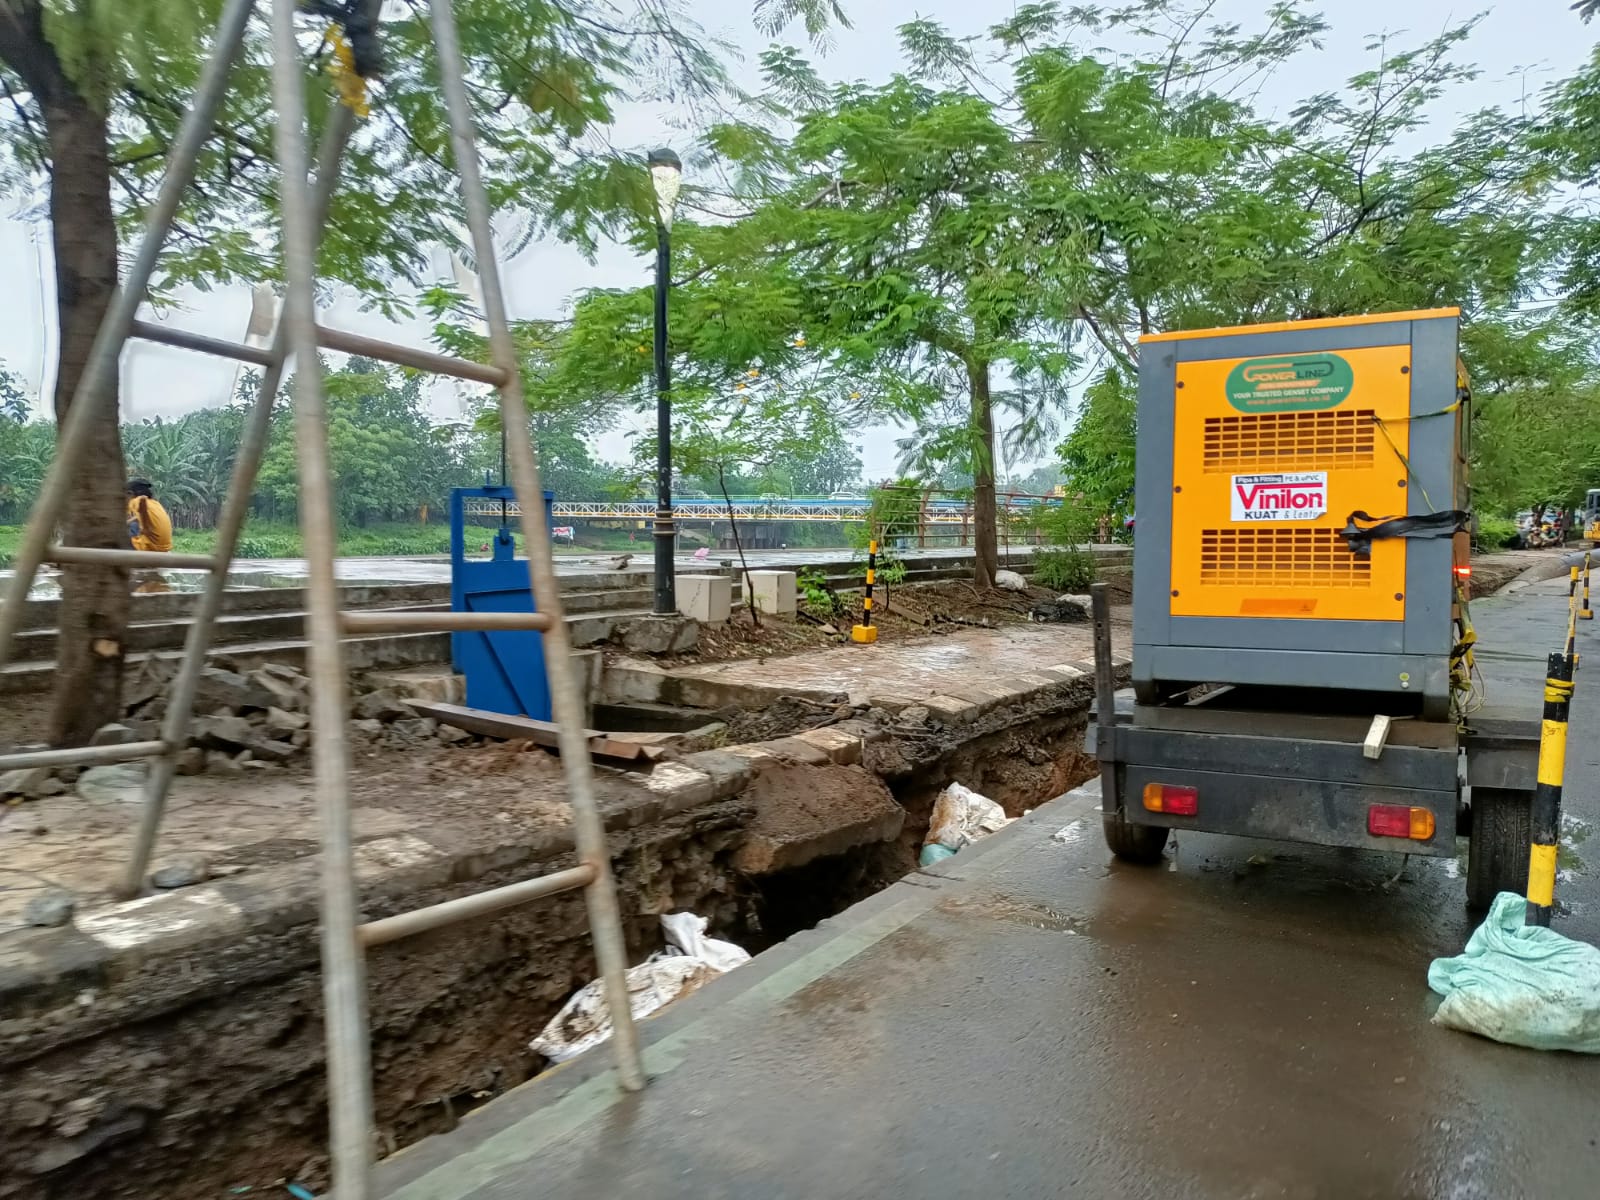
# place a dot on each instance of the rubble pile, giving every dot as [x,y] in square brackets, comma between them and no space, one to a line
[244,720]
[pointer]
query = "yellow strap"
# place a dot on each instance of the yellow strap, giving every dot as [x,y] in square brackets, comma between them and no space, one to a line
[1404,461]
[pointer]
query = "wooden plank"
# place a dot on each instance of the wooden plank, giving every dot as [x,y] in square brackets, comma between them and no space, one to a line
[524,729]
[1376,737]
[901,609]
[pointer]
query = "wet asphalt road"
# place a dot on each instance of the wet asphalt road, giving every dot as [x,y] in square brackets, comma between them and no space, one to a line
[1031,1019]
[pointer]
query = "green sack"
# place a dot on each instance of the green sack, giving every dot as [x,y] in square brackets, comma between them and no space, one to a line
[1521,984]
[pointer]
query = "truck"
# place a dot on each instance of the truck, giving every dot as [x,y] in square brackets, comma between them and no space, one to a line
[1302,665]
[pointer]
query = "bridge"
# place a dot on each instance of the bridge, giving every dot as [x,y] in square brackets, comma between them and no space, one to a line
[751,508]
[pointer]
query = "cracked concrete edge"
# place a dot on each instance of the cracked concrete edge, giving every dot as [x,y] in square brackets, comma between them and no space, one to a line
[42,970]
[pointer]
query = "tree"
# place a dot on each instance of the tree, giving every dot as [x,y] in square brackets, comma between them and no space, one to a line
[14,406]
[1097,456]
[96,91]
[944,237]
[386,457]
[1041,481]
[826,466]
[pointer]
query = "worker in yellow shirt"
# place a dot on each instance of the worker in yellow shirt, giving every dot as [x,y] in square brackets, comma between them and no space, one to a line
[149,526]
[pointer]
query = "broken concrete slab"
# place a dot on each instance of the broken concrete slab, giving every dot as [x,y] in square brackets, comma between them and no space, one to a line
[285,695]
[224,733]
[381,705]
[24,781]
[839,746]
[661,635]
[280,723]
[951,709]
[439,685]
[795,750]
[804,812]
[729,773]
[678,786]
[222,689]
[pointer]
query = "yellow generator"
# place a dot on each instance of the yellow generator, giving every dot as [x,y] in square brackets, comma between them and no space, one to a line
[1300,576]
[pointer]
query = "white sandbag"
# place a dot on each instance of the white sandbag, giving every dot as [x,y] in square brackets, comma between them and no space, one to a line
[962,816]
[687,932]
[1010,581]
[690,961]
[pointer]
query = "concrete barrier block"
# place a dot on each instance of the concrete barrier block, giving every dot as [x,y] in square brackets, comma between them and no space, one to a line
[705,598]
[774,592]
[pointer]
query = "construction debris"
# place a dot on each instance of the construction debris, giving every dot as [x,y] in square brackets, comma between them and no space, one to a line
[689,961]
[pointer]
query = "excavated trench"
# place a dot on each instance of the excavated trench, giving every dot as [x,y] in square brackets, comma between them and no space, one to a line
[1019,767]
[194,1079]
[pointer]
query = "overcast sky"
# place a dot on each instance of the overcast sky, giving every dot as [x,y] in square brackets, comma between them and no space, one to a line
[1521,46]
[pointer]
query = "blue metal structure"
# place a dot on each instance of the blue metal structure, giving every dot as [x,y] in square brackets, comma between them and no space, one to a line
[504,670]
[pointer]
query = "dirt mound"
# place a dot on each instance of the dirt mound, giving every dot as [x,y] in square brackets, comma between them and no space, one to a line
[803,813]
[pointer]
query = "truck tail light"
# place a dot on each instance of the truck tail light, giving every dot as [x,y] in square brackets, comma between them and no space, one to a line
[1464,571]
[1398,821]
[1169,798]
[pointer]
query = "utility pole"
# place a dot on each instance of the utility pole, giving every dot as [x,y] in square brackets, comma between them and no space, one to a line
[666,176]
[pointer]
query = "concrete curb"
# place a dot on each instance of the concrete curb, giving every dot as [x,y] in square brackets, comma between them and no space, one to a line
[965,705]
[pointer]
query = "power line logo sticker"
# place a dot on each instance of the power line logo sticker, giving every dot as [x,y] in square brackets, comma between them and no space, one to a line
[1290,383]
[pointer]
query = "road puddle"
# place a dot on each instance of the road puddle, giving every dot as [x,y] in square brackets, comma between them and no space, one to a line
[995,906]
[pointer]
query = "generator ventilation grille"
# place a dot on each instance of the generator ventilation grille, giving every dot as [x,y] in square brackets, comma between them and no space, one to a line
[1265,556]
[1315,441]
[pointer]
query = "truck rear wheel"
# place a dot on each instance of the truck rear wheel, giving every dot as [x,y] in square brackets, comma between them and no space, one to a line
[1134,843]
[1497,852]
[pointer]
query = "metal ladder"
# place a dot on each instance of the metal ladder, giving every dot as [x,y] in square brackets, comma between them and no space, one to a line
[345,937]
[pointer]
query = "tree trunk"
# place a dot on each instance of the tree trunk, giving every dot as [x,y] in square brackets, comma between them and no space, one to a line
[983,505]
[94,600]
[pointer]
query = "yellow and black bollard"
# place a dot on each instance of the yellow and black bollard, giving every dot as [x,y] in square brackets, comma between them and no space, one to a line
[1586,613]
[1572,617]
[1547,791]
[866,632]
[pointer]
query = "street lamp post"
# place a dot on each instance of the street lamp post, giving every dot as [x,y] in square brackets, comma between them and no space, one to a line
[666,175]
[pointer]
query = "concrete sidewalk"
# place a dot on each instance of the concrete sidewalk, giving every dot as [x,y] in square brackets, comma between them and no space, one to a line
[1033,1019]
[959,664]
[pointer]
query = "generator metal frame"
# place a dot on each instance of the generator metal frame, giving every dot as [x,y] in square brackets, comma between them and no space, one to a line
[1409,655]
[1268,716]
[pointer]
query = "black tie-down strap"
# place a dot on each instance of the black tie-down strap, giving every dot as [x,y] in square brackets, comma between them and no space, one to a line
[1362,529]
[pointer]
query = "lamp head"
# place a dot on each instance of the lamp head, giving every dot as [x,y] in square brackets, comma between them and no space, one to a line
[666,174]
